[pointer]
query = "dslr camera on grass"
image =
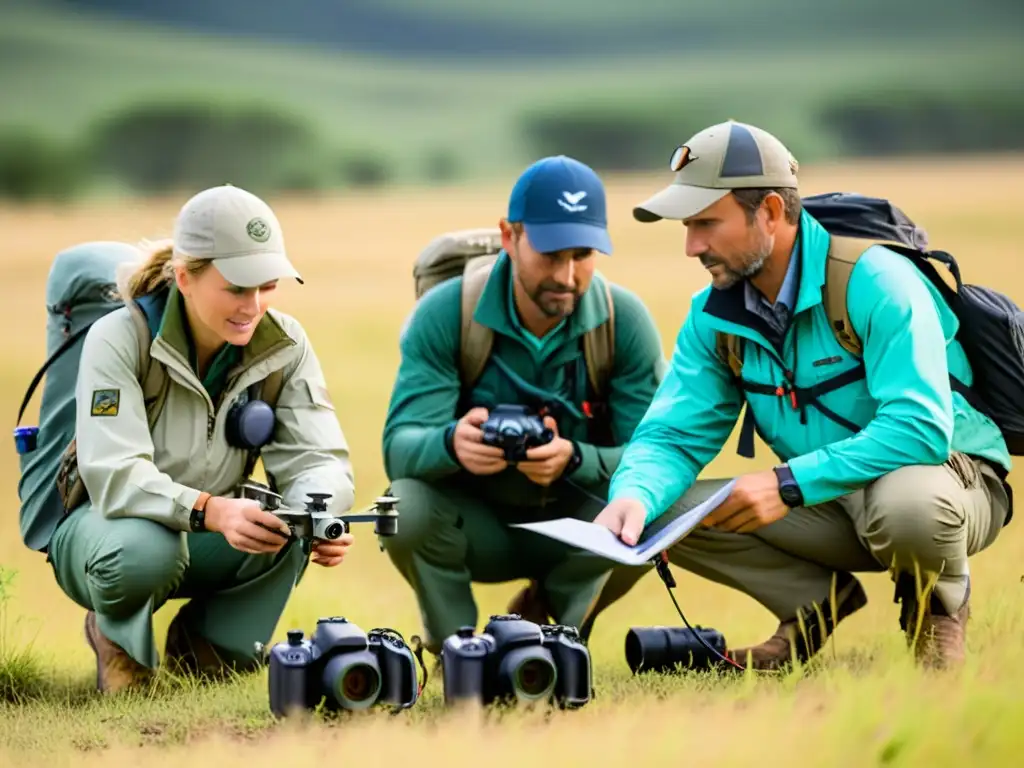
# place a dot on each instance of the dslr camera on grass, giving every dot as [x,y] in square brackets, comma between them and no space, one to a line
[339,664]
[515,660]
[343,667]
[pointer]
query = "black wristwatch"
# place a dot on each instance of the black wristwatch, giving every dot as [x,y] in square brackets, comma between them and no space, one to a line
[197,519]
[788,488]
[574,461]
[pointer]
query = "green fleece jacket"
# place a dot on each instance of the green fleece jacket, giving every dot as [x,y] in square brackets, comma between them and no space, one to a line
[428,397]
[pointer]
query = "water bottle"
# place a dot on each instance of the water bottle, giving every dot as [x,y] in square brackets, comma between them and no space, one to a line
[25,439]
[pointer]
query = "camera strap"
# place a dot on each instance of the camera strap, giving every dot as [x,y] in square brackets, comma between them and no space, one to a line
[661,566]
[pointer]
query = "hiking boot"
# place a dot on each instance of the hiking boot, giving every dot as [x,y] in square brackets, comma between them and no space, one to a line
[940,641]
[530,604]
[115,669]
[186,653]
[790,639]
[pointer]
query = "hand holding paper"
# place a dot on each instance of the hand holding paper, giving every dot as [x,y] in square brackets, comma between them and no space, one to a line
[598,539]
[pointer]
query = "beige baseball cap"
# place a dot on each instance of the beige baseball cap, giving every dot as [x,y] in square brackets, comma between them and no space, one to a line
[727,156]
[238,231]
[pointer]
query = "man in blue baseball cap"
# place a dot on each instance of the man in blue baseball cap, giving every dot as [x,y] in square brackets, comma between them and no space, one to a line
[514,316]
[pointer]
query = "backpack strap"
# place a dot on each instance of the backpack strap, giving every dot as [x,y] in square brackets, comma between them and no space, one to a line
[153,378]
[476,340]
[843,254]
[64,347]
[599,348]
[729,348]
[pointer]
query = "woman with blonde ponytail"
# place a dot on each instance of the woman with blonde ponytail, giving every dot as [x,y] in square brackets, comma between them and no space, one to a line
[163,518]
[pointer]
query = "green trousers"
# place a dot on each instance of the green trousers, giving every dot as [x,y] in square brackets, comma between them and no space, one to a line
[449,538]
[929,518]
[125,569]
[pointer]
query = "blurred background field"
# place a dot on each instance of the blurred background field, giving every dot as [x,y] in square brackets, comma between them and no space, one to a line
[374,126]
[121,96]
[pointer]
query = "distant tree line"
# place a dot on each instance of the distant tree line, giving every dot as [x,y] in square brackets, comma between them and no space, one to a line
[169,146]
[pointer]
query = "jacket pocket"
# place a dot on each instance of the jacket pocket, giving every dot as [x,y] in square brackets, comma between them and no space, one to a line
[318,395]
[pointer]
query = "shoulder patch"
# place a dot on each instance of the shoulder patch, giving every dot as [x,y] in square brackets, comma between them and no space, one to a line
[105,402]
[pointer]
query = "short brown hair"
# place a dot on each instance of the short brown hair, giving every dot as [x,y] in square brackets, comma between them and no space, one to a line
[750,200]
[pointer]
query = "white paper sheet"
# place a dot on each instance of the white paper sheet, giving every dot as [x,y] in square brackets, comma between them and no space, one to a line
[601,541]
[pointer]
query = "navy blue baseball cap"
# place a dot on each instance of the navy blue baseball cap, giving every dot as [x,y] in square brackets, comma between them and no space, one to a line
[561,204]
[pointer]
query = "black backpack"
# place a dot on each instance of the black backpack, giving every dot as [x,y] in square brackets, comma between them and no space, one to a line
[991,324]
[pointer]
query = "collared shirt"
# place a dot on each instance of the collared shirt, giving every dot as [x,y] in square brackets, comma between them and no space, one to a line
[223,361]
[777,315]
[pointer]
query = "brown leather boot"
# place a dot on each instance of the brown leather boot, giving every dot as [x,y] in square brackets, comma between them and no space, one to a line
[940,641]
[791,639]
[115,669]
[530,604]
[186,653]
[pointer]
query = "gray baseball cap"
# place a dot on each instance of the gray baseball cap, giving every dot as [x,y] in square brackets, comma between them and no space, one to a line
[238,231]
[715,161]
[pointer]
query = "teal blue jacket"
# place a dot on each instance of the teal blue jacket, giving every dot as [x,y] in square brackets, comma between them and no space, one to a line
[904,408]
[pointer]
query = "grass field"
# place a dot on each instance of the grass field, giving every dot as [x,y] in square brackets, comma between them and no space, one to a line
[867,703]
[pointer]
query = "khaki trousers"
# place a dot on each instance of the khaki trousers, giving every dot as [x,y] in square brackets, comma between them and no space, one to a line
[934,516]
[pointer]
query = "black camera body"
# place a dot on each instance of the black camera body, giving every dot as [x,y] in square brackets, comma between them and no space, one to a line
[313,522]
[517,660]
[663,649]
[515,429]
[343,666]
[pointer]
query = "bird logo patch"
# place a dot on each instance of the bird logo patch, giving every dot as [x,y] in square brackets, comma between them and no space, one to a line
[105,402]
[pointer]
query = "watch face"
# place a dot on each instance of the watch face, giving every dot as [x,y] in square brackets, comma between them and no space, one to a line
[790,495]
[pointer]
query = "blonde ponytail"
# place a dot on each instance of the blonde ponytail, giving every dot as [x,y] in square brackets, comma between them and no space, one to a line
[154,271]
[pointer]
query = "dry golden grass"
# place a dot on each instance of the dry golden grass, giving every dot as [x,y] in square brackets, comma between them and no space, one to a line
[868,703]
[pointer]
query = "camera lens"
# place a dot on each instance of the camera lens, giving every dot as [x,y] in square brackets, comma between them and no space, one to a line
[661,649]
[534,677]
[334,530]
[359,683]
[354,683]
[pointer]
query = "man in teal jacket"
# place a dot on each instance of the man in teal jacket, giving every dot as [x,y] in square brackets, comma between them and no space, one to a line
[460,497]
[918,481]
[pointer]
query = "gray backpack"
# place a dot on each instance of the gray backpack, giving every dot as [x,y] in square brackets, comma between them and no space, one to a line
[81,288]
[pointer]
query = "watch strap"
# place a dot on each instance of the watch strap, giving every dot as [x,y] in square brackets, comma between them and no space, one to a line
[197,520]
[789,490]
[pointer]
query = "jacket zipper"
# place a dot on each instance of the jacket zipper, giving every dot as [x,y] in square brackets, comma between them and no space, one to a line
[788,374]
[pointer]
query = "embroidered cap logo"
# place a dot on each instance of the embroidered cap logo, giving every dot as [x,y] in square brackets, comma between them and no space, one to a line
[681,157]
[258,230]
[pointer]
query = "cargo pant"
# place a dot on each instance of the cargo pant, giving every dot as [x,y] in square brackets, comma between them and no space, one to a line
[449,538]
[125,569]
[934,516]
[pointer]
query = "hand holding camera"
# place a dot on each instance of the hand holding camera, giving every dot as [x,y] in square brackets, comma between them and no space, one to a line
[474,455]
[324,535]
[246,525]
[545,463]
[526,440]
